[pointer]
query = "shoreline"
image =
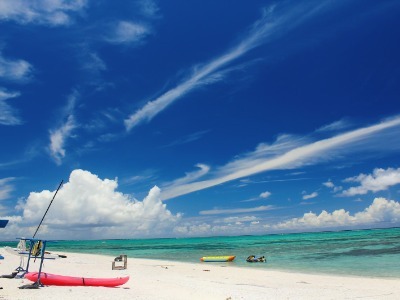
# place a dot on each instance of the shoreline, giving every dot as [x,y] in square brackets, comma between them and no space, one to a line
[162,279]
[247,266]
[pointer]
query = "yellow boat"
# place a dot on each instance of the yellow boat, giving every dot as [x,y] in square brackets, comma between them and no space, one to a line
[220,258]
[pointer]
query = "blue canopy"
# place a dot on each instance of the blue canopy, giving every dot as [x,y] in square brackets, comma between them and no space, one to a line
[3,223]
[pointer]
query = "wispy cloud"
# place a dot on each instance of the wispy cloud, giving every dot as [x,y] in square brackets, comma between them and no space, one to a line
[50,12]
[379,180]
[310,196]
[237,210]
[59,135]
[262,196]
[124,32]
[263,30]
[335,126]
[8,115]
[6,187]
[148,8]
[188,139]
[308,154]
[15,70]
[189,177]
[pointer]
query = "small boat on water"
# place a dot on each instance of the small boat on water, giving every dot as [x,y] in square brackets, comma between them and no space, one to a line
[60,280]
[219,258]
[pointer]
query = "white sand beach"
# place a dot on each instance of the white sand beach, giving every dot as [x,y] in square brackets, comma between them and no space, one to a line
[154,279]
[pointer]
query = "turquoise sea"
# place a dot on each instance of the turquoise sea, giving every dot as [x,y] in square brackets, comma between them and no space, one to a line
[372,253]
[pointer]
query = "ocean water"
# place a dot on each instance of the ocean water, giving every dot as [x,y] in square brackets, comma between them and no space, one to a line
[372,253]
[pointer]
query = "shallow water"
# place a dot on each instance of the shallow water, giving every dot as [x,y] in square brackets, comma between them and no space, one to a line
[373,253]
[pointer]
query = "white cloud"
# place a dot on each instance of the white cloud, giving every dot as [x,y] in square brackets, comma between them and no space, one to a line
[149,8]
[8,115]
[237,210]
[380,211]
[17,70]
[189,177]
[93,63]
[237,219]
[329,184]
[89,207]
[265,195]
[51,12]
[6,187]
[128,32]
[379,180]
[335,126]
[295,155]
[59,135]
[262,31]
[310,196]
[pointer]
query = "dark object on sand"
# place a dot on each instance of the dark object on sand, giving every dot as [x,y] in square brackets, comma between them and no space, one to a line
[12,275]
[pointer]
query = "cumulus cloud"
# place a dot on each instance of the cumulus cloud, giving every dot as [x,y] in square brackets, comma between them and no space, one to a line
[8,115]
[16,70]
[50,12]
[379,180]
[89,207]
[380,211]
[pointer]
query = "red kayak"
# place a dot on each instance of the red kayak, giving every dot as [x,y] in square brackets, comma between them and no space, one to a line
[53,279]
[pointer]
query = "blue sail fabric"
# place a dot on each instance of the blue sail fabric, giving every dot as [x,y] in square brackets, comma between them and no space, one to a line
[3,223]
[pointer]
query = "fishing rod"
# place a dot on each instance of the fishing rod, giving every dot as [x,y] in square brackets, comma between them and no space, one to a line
[48,208]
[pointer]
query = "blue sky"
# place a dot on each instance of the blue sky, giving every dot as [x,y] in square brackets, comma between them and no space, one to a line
[194,118]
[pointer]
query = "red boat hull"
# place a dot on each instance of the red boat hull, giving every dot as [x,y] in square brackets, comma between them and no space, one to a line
[53,279]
